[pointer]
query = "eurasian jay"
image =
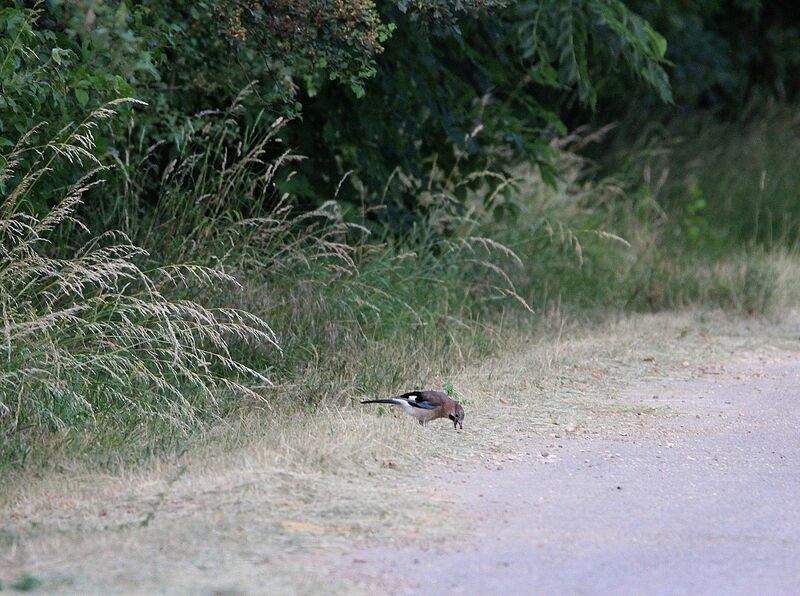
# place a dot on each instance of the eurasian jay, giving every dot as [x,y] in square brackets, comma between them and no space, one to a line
[426,406]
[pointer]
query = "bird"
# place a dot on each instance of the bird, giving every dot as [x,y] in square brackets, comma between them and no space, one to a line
[426,406]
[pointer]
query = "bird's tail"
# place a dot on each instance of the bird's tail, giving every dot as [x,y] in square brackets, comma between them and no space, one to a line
[378,401]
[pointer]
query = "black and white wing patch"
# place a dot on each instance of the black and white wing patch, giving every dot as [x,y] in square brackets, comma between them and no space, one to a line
[418,401]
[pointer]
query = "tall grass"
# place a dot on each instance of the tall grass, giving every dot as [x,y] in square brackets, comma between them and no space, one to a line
[88,333]
[102,336]
[720,224]
[724,183]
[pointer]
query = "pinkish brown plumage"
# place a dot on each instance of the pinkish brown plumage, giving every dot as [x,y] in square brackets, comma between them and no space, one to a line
[426,406]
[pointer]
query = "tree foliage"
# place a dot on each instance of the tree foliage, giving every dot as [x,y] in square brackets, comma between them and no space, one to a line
[490,93]
[42,79]
[723,53]
[378,86]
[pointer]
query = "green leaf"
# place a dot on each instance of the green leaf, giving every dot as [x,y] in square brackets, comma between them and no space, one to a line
[26,583]
[82,97]
[660,43]
[358,89]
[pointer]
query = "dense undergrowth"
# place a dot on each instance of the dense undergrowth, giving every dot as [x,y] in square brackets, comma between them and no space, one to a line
[131,327]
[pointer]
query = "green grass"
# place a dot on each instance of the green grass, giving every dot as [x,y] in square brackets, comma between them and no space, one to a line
[746,174]
[722,184]
[26,583]
[222,298]
[92,336]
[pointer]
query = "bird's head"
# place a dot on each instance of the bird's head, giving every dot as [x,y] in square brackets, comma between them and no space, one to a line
[458,417]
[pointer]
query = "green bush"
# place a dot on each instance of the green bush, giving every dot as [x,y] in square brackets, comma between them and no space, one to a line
[47,79]
[436,73]
[724,54]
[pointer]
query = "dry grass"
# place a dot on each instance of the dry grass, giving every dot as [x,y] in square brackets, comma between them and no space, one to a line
[246,507]
[89,331]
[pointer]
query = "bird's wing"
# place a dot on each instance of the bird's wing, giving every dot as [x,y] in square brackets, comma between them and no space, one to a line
[427,400]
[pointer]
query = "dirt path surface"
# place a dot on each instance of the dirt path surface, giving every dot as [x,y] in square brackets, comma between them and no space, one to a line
[654,454]
[701,497]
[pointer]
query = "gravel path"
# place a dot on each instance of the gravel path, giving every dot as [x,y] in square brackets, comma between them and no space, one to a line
[705,501]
